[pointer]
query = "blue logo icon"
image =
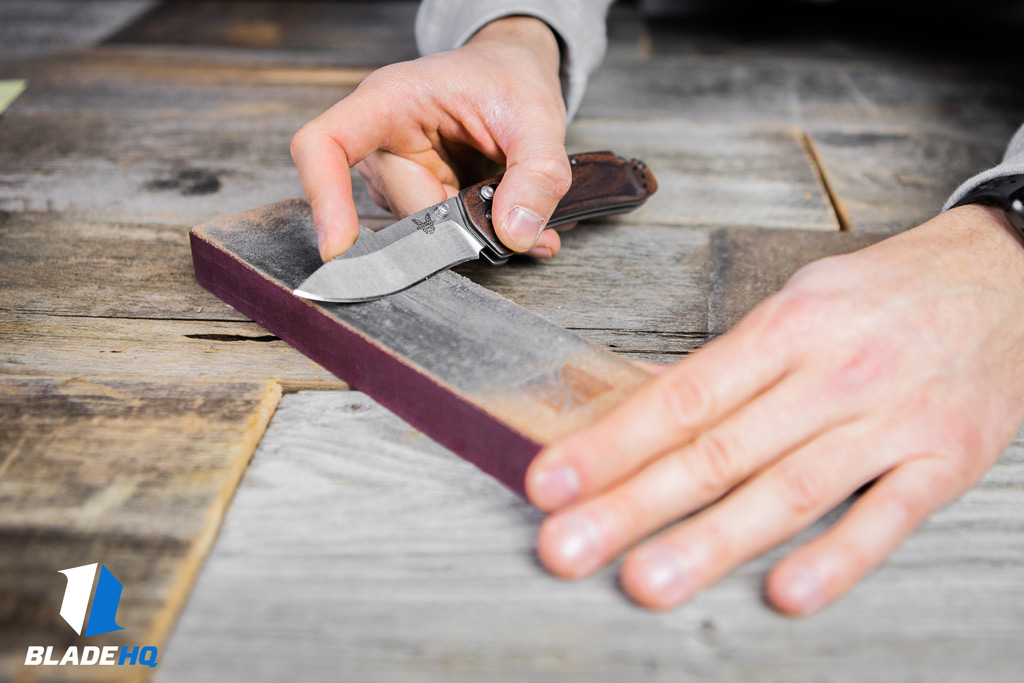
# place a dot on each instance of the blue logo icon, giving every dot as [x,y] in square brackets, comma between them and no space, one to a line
[104,602]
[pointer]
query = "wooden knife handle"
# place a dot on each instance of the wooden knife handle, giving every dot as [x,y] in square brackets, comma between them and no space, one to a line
[602,184]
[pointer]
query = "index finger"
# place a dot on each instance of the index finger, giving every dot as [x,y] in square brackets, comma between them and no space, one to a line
[323,151]
[666,413]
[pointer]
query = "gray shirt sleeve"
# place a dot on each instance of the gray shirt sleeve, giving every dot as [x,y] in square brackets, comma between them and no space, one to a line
[1013,164]
[446,24]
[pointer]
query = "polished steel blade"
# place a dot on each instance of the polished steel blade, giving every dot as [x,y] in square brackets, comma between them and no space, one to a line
[395,258]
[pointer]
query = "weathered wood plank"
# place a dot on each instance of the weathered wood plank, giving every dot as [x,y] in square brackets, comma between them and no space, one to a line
[358,549]
[160,139]
[162,80]
[891,179]
[727,88]
[376,32]
[719,175]
[476,372]
[70,265]
[132,474]
[58,345]
[168,169]
[31,28]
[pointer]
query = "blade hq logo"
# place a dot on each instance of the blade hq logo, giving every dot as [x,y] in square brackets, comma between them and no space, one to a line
[101,619]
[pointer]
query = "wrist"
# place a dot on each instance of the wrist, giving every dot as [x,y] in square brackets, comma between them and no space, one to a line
[984,235]
[521,31]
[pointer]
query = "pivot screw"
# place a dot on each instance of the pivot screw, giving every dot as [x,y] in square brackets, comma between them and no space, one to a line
[487,193]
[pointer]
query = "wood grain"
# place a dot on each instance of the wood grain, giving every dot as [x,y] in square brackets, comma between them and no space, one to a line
[33,28]
[476,372]
[160,139]
[725,88]
[358,549]
[132,474]
[374,32]
[891,179]
[71,265]
[34,344]
[759,176]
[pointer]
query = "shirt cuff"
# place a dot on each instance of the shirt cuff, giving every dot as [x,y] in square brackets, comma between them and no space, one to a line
[1013,164]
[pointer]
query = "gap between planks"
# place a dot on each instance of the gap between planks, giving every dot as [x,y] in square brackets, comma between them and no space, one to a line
[842,217]
[188,572]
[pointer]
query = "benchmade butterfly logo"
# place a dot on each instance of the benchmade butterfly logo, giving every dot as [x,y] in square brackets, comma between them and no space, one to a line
[426,225]
[91,612]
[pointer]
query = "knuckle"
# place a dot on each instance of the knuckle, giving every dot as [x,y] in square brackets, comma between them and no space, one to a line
[553,173]
[943,478]
[716,456]
[863,367]
[720,546]
[687,402]
[808,274]
[792,317]
[301,140]
[857,560]
[904,510]
[394,85]
[382,76]
[803,489]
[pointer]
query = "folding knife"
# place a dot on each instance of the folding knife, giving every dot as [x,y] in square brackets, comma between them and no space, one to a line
[459,229]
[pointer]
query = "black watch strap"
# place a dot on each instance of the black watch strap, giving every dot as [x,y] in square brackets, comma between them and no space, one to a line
[1007,193]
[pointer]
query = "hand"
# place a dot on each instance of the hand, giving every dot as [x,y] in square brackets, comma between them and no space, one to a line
[415,128]
[901,364]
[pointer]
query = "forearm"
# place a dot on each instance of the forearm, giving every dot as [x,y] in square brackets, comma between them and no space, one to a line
[579,25]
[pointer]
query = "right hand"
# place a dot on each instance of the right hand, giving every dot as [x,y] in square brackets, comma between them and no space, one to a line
[415,130]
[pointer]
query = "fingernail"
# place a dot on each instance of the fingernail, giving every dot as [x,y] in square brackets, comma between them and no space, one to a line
[555,487]
[576,543]
[321,238]
[540,252]
[523,228]
[663,575]
[804,589]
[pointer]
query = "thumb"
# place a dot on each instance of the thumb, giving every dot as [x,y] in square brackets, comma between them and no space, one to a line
[538,176]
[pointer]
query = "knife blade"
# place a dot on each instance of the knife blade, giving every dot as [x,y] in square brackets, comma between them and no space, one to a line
[459,229]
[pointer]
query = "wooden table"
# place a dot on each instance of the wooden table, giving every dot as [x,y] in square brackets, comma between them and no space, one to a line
[352,547]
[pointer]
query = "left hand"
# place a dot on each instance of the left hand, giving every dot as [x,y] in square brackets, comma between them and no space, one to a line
[901,363]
